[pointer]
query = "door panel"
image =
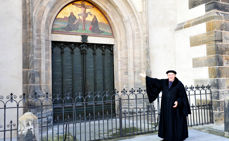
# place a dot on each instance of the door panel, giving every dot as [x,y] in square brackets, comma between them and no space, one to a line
[57,73]
[77,72]
[108,67]
[79,69]
[67,70]
[99,83]
[89,63]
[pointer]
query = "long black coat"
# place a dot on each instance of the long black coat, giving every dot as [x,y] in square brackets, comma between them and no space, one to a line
[173,122]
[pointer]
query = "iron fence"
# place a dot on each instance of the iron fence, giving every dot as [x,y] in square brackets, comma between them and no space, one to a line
[98,116]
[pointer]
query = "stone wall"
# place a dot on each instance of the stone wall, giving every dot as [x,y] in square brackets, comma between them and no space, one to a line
[214,44]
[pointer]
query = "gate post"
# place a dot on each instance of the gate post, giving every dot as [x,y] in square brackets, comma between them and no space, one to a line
[211,109]
[120,116]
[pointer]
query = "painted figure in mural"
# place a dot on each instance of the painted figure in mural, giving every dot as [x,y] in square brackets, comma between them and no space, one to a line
[94,27]
[73,23]
[174,105]
[84,14]
[81,17]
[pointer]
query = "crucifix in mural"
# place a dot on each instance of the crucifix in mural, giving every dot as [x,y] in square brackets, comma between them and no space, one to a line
[81,18]
[83,13]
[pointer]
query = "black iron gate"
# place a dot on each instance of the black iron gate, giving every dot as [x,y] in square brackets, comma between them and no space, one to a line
[134,115]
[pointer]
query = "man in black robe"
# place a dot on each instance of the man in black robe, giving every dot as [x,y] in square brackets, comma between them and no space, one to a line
[174,106]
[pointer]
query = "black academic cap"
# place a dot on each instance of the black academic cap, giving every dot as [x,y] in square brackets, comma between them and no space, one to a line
[173,71]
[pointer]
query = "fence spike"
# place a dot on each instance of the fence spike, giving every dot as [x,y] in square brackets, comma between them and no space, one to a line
[132,91]
[197,87]
[203,87]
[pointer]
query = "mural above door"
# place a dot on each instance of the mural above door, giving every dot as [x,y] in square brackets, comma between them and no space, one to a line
[81,18]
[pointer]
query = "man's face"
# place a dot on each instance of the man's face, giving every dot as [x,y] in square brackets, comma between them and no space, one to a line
[171,76]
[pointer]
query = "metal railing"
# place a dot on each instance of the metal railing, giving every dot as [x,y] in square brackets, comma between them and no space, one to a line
[98,116]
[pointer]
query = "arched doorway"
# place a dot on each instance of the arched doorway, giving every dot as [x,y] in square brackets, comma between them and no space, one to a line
[129,42]
[80,68]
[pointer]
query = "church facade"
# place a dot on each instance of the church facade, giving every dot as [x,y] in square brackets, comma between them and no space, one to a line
[61,46]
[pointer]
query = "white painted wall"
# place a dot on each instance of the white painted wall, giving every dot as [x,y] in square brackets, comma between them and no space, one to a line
[170,49]
[11,47]
[185,14]
[185,53]
[162,22]
[10,55]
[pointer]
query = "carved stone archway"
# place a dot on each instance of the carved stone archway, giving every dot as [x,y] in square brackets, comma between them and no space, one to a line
[130,42]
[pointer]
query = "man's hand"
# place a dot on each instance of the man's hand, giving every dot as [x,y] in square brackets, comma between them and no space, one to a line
[175,104]
[142,74]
